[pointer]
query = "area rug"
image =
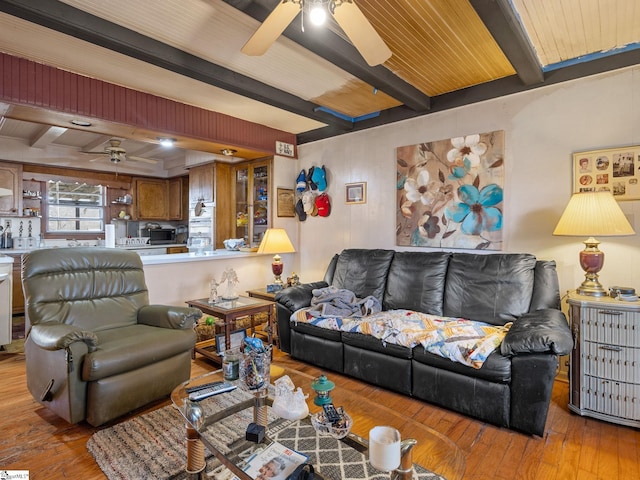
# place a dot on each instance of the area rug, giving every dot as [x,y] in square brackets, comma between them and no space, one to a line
[154,446]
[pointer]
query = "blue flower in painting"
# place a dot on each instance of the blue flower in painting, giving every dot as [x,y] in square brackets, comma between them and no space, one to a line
[476,211]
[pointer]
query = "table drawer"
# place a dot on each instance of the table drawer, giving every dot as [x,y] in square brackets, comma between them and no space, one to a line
[612,398]
[613,327]
[612,362]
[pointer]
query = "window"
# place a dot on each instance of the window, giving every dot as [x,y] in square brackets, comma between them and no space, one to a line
[75,207]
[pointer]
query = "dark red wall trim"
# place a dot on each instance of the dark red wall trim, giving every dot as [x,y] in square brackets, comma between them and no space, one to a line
[25,82]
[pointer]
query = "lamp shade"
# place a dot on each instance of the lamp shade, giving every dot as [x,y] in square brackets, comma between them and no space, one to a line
[593,214]
[276,240]
[5,192]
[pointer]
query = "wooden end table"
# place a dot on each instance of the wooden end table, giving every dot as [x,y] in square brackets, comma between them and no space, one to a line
[229,311]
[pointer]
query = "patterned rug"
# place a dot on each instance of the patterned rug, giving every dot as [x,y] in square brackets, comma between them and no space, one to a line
[154,446]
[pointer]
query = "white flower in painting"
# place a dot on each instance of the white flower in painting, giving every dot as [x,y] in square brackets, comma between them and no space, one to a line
[469,147]
[416,188]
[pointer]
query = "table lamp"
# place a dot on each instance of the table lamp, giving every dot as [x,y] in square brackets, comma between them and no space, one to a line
[590,214]
[276,240]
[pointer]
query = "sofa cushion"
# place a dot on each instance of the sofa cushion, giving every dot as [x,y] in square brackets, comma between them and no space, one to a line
[364,272]
[128,348]
[374,344]
[314,331]
[416,281]
[496,368]
[491,288]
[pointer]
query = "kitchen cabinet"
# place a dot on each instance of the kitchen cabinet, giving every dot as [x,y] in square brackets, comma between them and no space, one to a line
[158,199]
[17,296]
[213,183]
[252,200]
[604,375]
[151,199]
[177,198]
[10,189]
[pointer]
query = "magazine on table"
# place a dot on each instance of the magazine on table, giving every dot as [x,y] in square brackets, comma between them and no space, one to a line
[274,462]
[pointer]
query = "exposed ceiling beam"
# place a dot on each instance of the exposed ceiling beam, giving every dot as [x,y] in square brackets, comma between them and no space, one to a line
[502,22]
[330,46]
[487,91]
[63,18]
[45,136]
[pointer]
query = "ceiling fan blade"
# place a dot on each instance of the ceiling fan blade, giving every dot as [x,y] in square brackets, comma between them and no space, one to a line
[362,34]
[271,28]
[152,161]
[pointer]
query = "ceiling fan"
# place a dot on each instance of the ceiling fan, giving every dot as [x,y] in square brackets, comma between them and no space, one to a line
[118,154]
[346,13]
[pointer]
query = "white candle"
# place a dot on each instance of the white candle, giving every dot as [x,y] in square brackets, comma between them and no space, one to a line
[384,448]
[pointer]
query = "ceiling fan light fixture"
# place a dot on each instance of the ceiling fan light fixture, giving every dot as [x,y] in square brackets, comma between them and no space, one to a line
[317,13]
[228,152]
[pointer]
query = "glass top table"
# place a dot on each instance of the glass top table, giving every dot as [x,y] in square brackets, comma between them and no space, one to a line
[226,417]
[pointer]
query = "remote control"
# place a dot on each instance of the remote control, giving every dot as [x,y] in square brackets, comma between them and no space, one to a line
[208,392]
[195,388]
[331,413]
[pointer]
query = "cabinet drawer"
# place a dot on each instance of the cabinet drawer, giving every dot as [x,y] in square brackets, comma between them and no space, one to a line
[612,398]
[612,362]
[613,327]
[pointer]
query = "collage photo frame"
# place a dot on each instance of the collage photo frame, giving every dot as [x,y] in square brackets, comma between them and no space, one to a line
[616,170]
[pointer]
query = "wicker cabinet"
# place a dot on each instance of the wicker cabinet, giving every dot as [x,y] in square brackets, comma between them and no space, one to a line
[605,362]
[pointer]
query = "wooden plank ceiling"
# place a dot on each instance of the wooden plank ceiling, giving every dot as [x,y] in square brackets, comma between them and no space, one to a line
[445,53]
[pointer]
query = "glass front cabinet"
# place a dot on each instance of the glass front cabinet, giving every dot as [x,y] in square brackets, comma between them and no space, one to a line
[252,200]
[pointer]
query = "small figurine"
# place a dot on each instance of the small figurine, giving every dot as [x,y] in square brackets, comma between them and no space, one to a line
[213,291]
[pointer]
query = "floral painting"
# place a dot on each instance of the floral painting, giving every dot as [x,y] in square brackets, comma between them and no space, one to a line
[450,192]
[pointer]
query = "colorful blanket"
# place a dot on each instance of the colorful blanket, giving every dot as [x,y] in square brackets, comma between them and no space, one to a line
[465,341]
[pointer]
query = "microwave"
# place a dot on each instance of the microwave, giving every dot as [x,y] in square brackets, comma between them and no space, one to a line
[160,236]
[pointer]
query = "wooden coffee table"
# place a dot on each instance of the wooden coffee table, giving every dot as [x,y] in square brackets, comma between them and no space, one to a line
[433,450]
[229,311]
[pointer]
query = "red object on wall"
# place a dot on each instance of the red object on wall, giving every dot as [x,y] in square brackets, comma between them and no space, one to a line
[24,82]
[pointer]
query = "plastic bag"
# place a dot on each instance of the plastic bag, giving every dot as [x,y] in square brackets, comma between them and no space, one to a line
[288,403]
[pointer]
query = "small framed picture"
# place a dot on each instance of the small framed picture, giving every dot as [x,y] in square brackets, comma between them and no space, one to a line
[356,192]
[235,339]
[615,170]
[285,202]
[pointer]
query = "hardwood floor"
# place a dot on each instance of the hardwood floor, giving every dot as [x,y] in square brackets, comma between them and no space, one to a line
[573,447]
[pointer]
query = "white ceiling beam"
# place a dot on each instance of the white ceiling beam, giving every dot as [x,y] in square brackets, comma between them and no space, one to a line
[45,136]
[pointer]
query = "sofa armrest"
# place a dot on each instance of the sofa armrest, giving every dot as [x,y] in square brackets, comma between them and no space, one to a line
[299,296]
[540,331]
[58,336]
[166,316]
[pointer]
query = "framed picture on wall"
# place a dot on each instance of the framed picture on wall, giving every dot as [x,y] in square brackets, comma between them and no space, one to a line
[356,192]
[616,170]
[286,202]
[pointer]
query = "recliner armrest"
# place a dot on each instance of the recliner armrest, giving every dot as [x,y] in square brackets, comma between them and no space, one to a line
[167,316]
[58,336]
[540,331]
[298,296]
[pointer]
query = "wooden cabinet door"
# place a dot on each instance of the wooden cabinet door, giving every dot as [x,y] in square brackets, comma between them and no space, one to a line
[151,199]
[201,184]
[17,297]
[10,189]
[175,199]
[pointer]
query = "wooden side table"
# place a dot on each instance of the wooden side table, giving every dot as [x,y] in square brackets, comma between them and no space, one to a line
[229,311]
[262,293]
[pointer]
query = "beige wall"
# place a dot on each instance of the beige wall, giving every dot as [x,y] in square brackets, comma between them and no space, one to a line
[542,129]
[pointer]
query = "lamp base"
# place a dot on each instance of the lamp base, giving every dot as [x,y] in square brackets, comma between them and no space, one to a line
[591,261]
[591,288]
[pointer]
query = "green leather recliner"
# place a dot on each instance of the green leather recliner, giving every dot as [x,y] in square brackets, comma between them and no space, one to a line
[95,348]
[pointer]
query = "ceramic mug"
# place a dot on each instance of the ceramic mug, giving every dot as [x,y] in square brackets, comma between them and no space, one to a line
[384,448]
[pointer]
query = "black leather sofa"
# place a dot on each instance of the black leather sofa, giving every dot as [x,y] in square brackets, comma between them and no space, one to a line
[513,387]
